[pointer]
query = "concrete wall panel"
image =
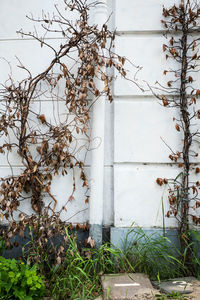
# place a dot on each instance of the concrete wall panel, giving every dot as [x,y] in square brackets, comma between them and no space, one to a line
[140,126]
[137,15]
[138,198]
[144,51]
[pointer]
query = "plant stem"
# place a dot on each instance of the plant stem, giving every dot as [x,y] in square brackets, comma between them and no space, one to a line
[187,139]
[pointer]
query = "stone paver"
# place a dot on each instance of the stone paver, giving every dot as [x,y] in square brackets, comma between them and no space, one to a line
[128,286]
[181,285]
[196,294]
[188,286]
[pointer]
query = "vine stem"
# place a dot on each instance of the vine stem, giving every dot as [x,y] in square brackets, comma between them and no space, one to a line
[184,195]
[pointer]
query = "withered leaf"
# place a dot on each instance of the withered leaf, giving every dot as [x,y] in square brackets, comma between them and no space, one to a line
[197,170]
[71,198]
[91,242]
[194,56]
[159,181]
[177,127]
[42,118]
[164,47]
[171,41]
[193,100]
[59,260]
[197,92]
[35,168]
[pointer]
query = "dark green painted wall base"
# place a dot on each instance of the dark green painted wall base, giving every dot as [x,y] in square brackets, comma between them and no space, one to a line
[16,252]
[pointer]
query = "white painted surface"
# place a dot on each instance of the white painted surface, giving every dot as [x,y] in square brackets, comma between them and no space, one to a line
[140,122]
[140,125]
[144,50]
[13,16]
[30,54]
[137,15]
[133,124]
[108,203]
[98,130]
[126,284]
[138,198]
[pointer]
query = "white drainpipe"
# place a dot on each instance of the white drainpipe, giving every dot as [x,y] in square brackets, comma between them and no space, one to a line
[97,159]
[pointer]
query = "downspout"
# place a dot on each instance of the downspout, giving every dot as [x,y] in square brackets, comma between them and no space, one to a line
[97,155]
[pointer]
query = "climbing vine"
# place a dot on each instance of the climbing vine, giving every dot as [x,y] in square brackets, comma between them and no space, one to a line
[182,93]
[45,149]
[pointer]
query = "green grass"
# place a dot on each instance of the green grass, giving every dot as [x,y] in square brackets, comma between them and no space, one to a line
[79,276]
[2,245]
[154,255]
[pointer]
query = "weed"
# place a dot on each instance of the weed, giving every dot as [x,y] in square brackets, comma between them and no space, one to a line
[19,281]
[79,276]
[153,254]
[2,245]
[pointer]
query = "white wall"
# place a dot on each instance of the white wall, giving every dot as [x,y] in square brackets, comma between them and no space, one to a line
[135,123]
[12,18]
[140,122]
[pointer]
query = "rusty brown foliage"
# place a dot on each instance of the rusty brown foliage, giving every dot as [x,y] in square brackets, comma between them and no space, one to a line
[85,55]
[182,23]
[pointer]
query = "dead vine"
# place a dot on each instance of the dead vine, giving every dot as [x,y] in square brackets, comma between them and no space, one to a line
[46,149]
[182,93]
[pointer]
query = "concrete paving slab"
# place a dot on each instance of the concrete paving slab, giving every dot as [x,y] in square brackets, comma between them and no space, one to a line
[182,285]
[135,286]
[195,295]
